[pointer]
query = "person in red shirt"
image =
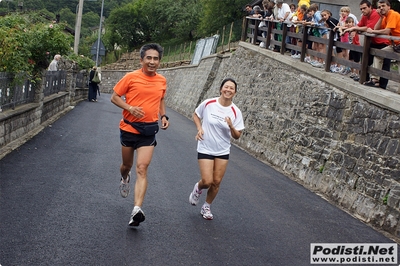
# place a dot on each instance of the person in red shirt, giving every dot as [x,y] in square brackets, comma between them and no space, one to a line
[368,20]
[144,91]
[388,24]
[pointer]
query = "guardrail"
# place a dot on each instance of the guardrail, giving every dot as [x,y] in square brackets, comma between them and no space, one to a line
[54,82]
[251,32]
[12,95]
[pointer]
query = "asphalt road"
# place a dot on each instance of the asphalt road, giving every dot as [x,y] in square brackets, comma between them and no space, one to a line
[60,204]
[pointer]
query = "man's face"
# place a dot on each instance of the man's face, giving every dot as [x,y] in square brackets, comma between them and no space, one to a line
[365,10]
[383,9]
[150,62]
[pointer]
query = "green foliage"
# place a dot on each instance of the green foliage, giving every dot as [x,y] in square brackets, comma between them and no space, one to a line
[48,40]
[82,61]
[27,47]
[217,14]
[67,16]
[127,25]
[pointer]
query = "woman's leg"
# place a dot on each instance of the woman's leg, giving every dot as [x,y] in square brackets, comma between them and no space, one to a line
[218,173]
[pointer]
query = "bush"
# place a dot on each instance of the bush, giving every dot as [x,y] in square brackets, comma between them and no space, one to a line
[28,46]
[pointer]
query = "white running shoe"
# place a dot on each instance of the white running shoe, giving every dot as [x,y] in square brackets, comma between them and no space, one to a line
[137,217]
[307,59]
[318,64]
[124,186]
[206,212]
[195,195]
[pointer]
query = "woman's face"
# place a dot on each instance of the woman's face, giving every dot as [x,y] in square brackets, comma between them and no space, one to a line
[228,90]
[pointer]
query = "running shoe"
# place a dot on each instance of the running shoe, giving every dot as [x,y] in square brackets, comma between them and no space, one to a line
[124,186]
[352,75]
[195,195]
[137,217]
[307,59]
[345,71]
[206,212]
[296,56]
[318,64]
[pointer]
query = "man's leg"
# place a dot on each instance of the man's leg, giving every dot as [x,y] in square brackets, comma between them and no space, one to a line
[385,66]
[144,155]
[127,161]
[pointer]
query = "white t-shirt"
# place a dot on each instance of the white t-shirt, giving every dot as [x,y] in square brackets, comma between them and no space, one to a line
[217,135]
[285,8]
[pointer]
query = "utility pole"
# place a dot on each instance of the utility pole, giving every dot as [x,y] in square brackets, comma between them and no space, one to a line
[99,37]
[78,27]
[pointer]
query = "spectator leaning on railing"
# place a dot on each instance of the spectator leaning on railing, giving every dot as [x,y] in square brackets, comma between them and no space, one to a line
[281,13]
[388,24]
[368,20]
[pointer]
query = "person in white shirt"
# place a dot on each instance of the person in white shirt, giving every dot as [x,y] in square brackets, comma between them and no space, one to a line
[281,13]
[217,120]
[54,64]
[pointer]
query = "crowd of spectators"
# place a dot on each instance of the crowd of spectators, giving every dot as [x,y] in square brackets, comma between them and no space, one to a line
[346,26]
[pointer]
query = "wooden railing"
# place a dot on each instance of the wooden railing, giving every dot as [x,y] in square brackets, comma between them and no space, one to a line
[251,32]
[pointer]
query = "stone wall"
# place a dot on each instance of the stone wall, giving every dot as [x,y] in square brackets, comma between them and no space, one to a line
[25,121]
[327,132]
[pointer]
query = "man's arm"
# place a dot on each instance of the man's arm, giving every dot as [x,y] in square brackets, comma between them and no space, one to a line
[377,29]
[133,110]
[356,28]
[164,120]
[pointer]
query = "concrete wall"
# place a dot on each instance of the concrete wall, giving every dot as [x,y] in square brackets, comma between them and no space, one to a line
[329,133]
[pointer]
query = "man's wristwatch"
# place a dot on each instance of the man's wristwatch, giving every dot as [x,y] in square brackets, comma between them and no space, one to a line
[166,117]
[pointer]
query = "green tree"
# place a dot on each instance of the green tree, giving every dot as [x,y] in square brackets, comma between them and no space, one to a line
[68,17]
[128,26]
[176,20]
[90,20]
[28,47]
[217,14]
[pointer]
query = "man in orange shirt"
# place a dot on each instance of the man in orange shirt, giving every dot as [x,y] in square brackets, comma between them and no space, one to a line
[388,24]
[144,91]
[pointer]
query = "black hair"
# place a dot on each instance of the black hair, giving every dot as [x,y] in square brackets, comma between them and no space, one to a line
[151,46]
[226,80]
[365,2]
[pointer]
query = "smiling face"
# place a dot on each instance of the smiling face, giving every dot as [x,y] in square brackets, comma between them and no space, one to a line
[150,62]
[228,90]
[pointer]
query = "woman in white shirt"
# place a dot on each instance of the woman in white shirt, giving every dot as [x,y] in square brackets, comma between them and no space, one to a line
[217,120]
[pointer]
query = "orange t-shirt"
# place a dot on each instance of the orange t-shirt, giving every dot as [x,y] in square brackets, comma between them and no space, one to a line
[392,21]
[143,91]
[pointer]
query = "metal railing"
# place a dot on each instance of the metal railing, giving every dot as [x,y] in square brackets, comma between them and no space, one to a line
[253,33]
[55,81]
[12,95]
